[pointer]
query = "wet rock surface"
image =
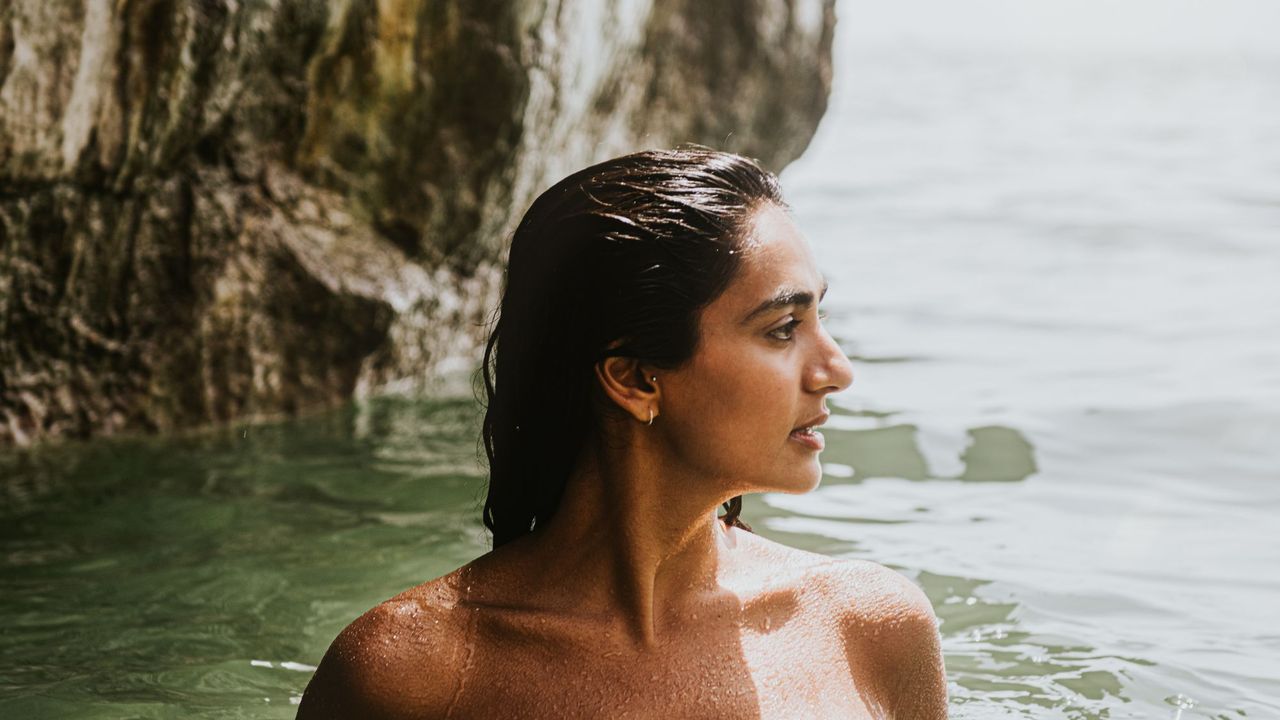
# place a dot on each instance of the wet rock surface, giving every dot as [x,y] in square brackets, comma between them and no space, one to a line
[226,210]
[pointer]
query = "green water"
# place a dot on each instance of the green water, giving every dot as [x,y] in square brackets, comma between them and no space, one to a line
[186,578]
[204,576]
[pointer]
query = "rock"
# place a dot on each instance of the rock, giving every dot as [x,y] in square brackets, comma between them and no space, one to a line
[216,209]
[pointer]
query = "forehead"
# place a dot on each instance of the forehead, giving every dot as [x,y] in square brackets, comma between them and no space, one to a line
[775,257]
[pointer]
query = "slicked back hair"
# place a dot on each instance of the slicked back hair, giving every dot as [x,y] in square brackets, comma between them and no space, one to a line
[616,259]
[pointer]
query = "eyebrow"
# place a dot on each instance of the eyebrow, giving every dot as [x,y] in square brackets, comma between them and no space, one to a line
[786,297]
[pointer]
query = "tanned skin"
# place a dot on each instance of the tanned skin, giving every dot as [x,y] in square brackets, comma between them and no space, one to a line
[634,600]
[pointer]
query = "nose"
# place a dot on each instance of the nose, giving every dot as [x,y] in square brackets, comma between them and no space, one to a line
[830,371]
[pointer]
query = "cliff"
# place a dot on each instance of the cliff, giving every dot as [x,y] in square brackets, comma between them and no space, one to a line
[223,209]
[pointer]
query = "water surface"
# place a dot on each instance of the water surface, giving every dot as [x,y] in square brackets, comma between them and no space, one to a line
[1055,273]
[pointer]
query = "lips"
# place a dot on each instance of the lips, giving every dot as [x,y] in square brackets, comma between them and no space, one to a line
[813,422]
[807,435]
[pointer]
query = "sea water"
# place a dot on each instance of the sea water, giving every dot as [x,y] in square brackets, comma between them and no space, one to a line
[1057,269]
[1056,274]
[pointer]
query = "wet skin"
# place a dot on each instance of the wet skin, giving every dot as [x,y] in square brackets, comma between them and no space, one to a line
[634,601]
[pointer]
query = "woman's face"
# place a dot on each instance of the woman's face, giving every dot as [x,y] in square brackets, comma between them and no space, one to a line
[762,370]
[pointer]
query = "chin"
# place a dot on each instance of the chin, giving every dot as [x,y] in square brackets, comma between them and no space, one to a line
[802,483]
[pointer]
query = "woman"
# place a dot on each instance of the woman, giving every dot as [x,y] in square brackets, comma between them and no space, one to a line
[659,353]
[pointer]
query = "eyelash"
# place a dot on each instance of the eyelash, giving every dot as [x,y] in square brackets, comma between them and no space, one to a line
[790,328]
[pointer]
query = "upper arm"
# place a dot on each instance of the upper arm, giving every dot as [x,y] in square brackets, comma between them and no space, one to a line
[383,666]
[894,648]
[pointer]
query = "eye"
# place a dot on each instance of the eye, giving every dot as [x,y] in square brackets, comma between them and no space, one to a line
[786,332]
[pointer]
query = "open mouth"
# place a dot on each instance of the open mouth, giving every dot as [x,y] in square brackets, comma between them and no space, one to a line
[809,437]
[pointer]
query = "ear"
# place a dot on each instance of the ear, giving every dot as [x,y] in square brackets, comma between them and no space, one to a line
[626,382]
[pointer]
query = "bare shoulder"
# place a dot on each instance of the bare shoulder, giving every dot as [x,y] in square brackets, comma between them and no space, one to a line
[891,639]
[874,596]
[861,593]
[886,623]
[401,659]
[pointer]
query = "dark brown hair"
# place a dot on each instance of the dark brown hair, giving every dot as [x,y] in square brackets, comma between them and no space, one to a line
[625,254]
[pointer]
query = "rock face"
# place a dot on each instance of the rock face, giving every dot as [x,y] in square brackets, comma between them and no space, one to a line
[221,209]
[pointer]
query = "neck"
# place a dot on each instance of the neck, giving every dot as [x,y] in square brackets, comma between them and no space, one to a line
[631,541]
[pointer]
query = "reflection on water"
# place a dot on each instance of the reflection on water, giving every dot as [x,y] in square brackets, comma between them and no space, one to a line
[993,453]
[882,452]
[205,575]
[997,454]
[990,656]
[1036,627]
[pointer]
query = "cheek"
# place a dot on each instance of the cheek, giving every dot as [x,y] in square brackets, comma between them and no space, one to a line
[733,414]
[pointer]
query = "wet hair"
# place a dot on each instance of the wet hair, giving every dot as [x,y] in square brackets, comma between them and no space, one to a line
[617,259]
